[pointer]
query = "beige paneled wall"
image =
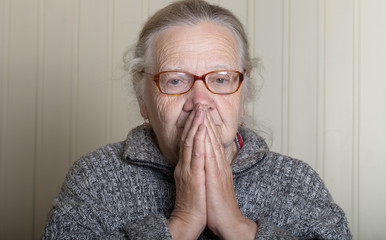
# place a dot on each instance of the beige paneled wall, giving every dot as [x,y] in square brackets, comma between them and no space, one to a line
[338,103]
[372,119]
[63,93]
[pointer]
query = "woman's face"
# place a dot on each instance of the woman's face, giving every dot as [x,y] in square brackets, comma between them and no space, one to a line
[195,49]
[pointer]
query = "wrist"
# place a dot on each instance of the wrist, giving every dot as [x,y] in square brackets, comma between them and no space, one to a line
[180,229]
[243,229]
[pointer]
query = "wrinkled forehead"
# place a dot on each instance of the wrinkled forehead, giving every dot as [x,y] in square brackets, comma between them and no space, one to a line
[202,47]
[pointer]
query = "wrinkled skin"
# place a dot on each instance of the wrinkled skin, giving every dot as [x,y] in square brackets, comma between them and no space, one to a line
[196,131]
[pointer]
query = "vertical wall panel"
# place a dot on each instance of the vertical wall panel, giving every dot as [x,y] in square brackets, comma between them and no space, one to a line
[303,75]
[55,125]
[75,81]
[321,88]
[355,222]
[268,42]
[109,71]
[339,102]
[4,34]
[285,64]
[372,119]
[18,162]
[125,111]
[93,91]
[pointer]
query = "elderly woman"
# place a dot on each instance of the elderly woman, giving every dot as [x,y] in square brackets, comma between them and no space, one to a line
[192,171]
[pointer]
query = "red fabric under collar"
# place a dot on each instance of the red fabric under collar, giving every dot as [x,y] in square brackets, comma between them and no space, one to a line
[239,140]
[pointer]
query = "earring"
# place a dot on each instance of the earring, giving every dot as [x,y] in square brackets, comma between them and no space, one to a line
[242,122]
[146,123]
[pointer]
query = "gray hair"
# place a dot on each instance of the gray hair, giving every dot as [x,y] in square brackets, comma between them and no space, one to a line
[187,12]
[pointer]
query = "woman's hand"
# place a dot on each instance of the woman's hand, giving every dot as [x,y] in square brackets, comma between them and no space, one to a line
[224,216]
[189,216]
[205,194]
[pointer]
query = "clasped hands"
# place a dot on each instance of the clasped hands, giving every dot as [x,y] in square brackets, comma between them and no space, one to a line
[205,194]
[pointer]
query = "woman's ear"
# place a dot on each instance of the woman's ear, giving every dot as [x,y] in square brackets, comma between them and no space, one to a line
[142,108]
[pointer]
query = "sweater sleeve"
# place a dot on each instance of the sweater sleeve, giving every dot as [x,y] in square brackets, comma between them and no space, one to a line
[83,210]
[319,216]
[65,227]
[149,227]
[268,230]
[332,226]
[77,213]
[300,207]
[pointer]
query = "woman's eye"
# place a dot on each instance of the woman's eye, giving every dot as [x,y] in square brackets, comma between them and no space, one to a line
[174,81]
[220,80]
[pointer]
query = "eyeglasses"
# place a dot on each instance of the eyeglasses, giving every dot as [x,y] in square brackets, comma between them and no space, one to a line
[218,82]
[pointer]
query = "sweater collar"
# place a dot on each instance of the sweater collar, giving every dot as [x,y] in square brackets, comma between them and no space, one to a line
[141,149]
[253,151]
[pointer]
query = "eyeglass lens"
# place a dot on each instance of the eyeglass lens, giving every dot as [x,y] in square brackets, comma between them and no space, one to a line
[217,82]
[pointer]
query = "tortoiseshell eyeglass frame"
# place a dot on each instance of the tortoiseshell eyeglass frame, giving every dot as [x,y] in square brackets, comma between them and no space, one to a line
[195,78]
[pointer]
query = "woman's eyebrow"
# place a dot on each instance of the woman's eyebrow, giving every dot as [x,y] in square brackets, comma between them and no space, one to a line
[171,68]
[221,66]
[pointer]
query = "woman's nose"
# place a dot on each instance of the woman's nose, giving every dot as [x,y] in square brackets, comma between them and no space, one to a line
[199,94]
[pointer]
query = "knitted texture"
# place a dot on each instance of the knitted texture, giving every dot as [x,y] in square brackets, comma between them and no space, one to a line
[126,190]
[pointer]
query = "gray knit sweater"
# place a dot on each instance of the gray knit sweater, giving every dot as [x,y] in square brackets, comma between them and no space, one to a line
[126,190]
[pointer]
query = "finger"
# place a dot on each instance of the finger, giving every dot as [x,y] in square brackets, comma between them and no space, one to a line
[198,153]
[215,141]
[189,121]
[211,165]
[186,145]
[213,125]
